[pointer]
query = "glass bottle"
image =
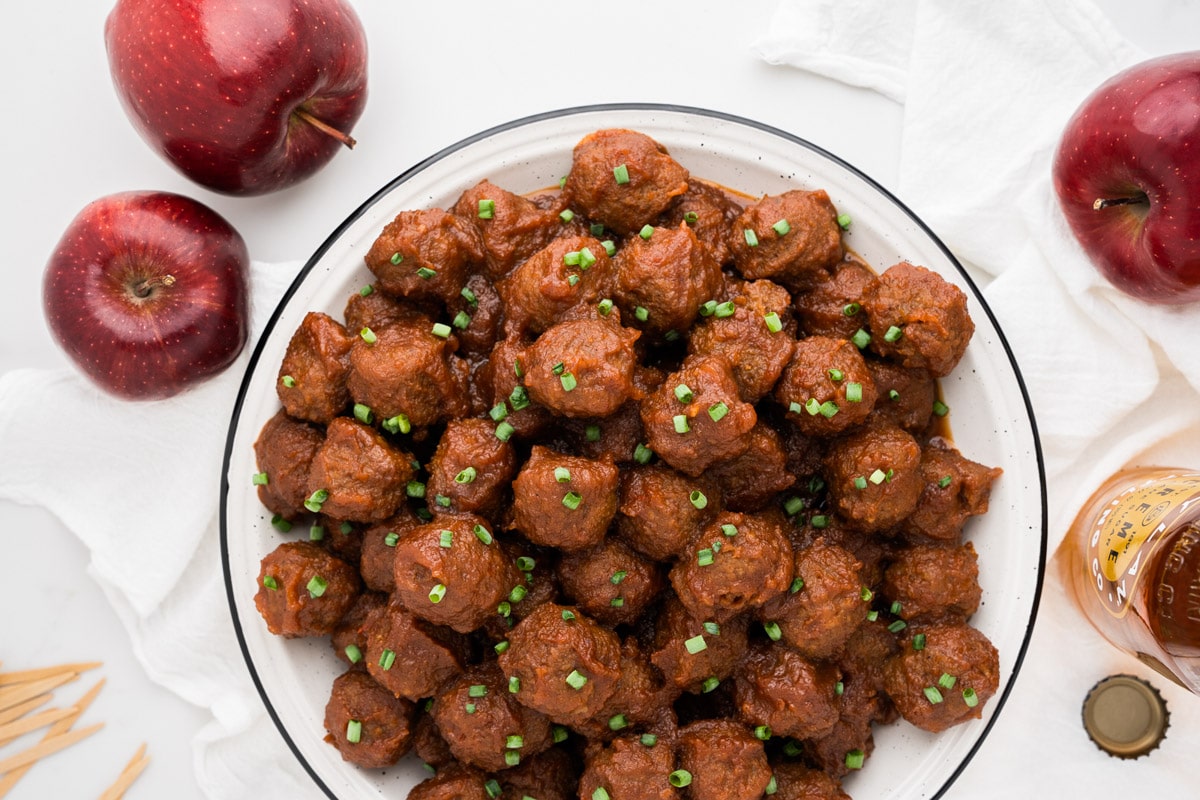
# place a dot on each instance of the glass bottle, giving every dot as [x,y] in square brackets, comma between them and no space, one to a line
[1134,561]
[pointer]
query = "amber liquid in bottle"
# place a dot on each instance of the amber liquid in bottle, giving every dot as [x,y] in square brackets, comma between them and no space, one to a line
[1134,562]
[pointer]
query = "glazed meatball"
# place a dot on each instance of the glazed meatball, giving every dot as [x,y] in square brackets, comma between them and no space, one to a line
[934,581]
[610,582]
[356,474]
[567,665]
[918,319]
[827,605]
[833,306]
[312,376]
[738,562]
[564,501]
[865,653]
[874,476]
[582,368]
[407,373]
[753,329]
[613,438]
[365,723]
[478,715]
[725,760]
[749,481]
[661,510]
[956,489]
[454,782]
[639,701]
[513,227]
[377,555]
[947,680]
[428,744]
[664,278]
[904,395]
[795,781]
[793,695]
[349,638]
[851,734]
[284,451]
[303,590]
[550,775]
[452,572]
[689,650]
[368,308]
[477,316]
[571,271]
[628,770]
[408,656]
[826,387]
[471,468]
[695,418]
[500,378]
[792,238]
[709,212]
[623,179]
[425,254]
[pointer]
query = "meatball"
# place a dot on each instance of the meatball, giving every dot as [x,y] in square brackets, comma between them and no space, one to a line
[454,782]
[904,395]
[610,582]
[452,572]
[567,666]
[749,481]
[312,375]
[833,306]
[690,651]
[478,715]
[664,278]
[947,680]
[695,418]
[792,238]
[754,330]
[408,374]
[851,734]
[793,695]
[349,638]
[500,379]
[874,476]
[408,656]
[918,319]
[365,723]
[477,316]
[425,254]
[571,271]
[724,759]
[513,227]
[661,510]
[627,769]
[428,744]
[826,387]
[738,562]
[956,489]
[377,555]
[934,581]
[582,368]
[356,474]
[638,702]
[795,781]
[376,310]
[709,212]
[623,179]
[550,775]
[564,501]
[303,590]
[471,468]
[284,451]
[827,605]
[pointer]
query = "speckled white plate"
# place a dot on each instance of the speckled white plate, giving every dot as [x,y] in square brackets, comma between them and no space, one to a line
[990,416]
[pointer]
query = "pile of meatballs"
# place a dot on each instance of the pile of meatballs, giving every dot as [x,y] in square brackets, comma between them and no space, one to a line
[633,488]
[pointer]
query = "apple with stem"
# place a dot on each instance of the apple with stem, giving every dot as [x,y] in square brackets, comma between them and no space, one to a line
[1127,175]
[242,97]
[147,293]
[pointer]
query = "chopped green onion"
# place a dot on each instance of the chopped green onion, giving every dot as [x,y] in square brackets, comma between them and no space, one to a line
[642,454]
[866,594]
[498,411]
[571,259]
[525,563]
[467,475]
[442,500]
[680,778]
[641,314]
[918,641]
[487,209]
[511,758]
[812,406]
[559,734]
[387,659]
[562,474]
[782,227]
[353,731]
[462,320]
[970,697]
[617,577]
[437,593]
[897,607]
[568,615]
[469,296]
[944,481]
[605,307]
[839,688]
[617,602]
[621,173]
[683,393]
[793,506]
[592,433]
[363,413]
[397,424]
[586,258]
[477,690]
[854,392]
[897,626]
[751,237]
[947,681]
[316,586]
[440,330]
[391,539]
[425,273]
[446,539]
[695,644]
[791,748]
[843,221]
[797,585]
[698,499]
[288,381]
[893,334]
[762,732]
[568,382]
[600,793]
[773,631]
[861,338]
[504,431]
[819,521]
[609,247]
[345,528]
[260,479]
[316,533]
[860,483]
[514,683]
[893,395]
[829,409]
[872,615]
[415,490]
[712,628]
[708,309]
[940,408]
[855,759]
[518,398]
[725,309]
[704,557]
[397,257]
[353,653]
[482,534]
[492,787]
[617,721]
[269,582]
[517,594]
[649,740]
[596,229]
[774,325]
[572,280]
[717,411]
[795,408]
[368,336]
[576,680]
[681,423]
[933,695]
[710,684]
[501,647]
[646,232]
[850,309]
[572,500]
[566,215]
[877,477]
[729,529]
[772,786]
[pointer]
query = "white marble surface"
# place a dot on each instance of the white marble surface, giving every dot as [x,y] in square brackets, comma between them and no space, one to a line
[66,142]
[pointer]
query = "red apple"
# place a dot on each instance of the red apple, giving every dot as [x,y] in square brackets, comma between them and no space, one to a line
[1127,174]
[146,293]
[242,97]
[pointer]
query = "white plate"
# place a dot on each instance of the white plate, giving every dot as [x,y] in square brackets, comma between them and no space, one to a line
[990,417]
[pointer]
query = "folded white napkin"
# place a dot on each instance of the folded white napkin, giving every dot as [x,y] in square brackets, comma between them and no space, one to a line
[987,88]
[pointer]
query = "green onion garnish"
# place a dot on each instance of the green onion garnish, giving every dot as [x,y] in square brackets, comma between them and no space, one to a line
[425,273]
[695,644]
[467,475]
[316,586]
[572,500]
[751,237]
[621,173]
[269,582]
[680,778]
[446,539]
[387,658]
[437,593]
[854,392]
[970,698]
[353,731]
[933,695]
[893,334]
[482,534]
[646,232]
[441,330]
[782,227]
[773,631]
[681,423]
[854,759]
[487,209]
[698,499]
[576,680]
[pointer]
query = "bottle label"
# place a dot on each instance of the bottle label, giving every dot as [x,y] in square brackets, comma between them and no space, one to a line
[1126,530]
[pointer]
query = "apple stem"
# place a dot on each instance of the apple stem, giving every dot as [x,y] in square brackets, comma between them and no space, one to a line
[146,287]
[1105,202]
[326,128]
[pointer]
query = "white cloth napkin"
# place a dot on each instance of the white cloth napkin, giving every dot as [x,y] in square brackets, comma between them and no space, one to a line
[986,90]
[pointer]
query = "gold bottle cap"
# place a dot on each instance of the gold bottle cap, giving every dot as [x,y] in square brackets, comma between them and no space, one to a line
[1125,716]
